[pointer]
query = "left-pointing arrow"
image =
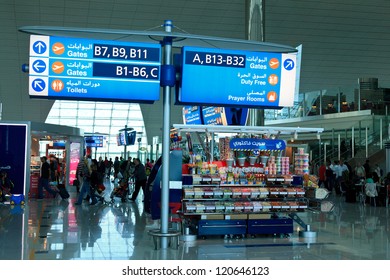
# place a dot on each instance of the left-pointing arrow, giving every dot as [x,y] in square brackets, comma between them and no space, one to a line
[39,66]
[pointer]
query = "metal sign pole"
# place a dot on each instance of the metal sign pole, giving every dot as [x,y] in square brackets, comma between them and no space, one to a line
[166,140]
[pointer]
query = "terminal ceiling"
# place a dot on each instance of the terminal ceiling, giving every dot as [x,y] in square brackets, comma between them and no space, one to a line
[342,40]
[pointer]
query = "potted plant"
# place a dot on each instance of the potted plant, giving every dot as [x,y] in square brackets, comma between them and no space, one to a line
[264,156]
[252,158]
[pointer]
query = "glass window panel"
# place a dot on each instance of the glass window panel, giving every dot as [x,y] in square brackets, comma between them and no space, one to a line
[119,123]
[137,124]
[67,105]
[103,122]
[103,114]
[86,105]
[68,112]
[83,122]
[104,106]
[102,129]
[121,106]
[55,111]
[86,128]
[134,107]
[68,122]
[96,117]
[86,113]
[119,114]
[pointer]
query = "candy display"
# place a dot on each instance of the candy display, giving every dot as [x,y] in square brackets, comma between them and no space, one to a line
[301,162]
[224,149]
[210,207]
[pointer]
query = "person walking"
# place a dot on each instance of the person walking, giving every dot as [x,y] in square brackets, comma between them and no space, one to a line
[329,178]
[367,167]
[139,177]
[116,166]
[44,179]
[95,180]
[86,186]
[360,172]
[322,176]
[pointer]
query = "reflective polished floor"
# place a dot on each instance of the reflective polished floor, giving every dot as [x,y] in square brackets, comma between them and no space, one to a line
[52,229]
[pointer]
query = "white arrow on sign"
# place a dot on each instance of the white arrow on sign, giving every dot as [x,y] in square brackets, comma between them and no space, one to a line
[37,66]
[37,84]
[39,45]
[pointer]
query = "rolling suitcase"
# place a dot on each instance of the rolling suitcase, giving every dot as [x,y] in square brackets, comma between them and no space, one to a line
[62,191]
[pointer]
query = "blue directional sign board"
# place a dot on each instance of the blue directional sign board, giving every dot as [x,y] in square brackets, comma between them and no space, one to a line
[82,69]
[237,78]
[94,141]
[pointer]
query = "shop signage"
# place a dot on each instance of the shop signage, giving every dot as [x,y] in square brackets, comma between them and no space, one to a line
[82,69]
[246,144]
[211,115]
[237,78]
[74,160]
[192,115]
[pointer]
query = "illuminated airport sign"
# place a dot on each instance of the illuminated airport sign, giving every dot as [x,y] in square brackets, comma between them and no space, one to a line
[237,78]
[82,69]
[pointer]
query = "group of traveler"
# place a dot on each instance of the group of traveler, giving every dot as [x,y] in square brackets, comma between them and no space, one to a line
[91,174]
[340,175]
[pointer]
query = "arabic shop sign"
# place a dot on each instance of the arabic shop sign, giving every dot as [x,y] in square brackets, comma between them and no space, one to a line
[81,69]
[237,78]
[246,144]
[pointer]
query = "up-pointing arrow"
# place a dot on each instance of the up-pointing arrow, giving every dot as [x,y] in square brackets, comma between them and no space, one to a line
[40,46]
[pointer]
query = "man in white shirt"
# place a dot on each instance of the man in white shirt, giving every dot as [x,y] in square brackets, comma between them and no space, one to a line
[342,176]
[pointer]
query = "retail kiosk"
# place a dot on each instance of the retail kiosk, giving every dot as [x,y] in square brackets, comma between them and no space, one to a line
[253,188]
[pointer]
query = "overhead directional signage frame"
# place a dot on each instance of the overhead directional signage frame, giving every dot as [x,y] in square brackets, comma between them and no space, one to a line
[237,78]
[99,70]
[168,39]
